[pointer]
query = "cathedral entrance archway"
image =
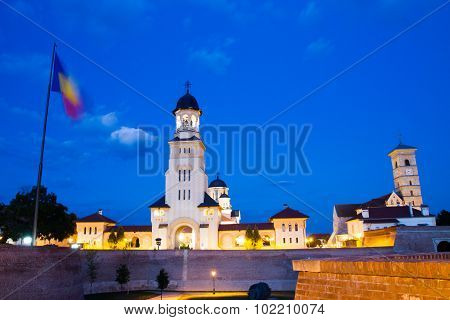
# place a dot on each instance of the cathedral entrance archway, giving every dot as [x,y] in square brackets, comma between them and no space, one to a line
[184,238]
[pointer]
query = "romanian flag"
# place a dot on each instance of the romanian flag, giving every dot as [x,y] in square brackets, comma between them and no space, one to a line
[68,89]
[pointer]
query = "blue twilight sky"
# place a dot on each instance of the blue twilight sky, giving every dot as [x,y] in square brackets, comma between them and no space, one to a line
[247,61]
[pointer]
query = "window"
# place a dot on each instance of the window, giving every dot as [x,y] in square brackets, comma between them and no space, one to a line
[84,230]
[290,240]
[296,227]
[184,150]
[412,193]
[284,240]
[296,240]
[180,150]
[189,194]
[189,150]
[283,227]
[410,182]
[184,175]
[396,164]
[184,194]
[179,194]
[179,175]
[90,230]
[95,230]
[290,227]
[407,163]
[189,175]
[266,241]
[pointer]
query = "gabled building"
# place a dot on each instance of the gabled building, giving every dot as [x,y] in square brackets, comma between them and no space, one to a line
[402,207]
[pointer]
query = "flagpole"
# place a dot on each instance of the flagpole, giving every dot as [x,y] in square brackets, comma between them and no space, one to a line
[41,159]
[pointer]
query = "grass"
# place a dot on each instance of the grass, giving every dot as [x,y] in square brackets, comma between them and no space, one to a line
[220,295]
[133,295]
[277,295]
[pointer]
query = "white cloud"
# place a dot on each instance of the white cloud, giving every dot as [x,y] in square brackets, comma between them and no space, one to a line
[319,46]
[216,60]
[309,13]
[130,136]
[109,119]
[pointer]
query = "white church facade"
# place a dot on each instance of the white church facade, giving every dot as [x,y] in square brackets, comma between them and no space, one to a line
[193,213]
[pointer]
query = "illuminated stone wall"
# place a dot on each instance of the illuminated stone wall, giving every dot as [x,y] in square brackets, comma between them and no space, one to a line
[40,273]
[413,277]
[190,270]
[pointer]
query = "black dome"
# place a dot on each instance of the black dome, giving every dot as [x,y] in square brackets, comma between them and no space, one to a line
[187,101]
[217,183]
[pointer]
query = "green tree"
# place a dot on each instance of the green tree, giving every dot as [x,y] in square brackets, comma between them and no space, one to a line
[54,222]
[163,280]
[443,218]
[122,275]
[253,239]
[91,260]
[116,237]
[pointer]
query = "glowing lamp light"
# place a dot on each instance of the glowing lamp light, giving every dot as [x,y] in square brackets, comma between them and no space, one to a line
[240,240]
[70,240]
[27,241]
[181,237]
[213,273]
[75,246]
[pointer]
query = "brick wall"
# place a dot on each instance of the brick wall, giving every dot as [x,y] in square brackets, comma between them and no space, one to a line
[390,277]
[40,273]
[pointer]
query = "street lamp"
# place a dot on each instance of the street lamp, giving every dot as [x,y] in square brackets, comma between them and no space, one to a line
[213,275]
[158,242]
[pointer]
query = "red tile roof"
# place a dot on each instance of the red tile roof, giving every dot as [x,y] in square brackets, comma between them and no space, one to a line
[96,217]
[131,228]
[244,226]
[288,213]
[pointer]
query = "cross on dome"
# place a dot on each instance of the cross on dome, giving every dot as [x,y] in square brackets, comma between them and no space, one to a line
[188,86]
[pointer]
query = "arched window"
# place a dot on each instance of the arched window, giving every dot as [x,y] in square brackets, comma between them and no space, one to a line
[296,227]
[290,227]
[407,163]
[189,194]
[179,194]
[90,230]
[84,230]
[412,193]
[283,227]
[184,175]
[95,230]
[290,240]
[184,194]
[135,243]
[189,175]
[296,240]
[284,240]
[179,175]
[396,164]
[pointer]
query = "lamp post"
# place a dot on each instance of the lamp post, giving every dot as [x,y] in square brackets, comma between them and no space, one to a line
[213,275]
[158,242]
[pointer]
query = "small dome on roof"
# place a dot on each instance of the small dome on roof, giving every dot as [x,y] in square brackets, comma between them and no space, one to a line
[217,183]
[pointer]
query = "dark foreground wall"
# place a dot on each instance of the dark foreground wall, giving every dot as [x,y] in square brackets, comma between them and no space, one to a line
[40,273]
[190,270]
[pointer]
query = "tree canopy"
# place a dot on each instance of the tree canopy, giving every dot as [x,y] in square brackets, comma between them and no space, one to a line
[54,222]
[443,218]
[253,239]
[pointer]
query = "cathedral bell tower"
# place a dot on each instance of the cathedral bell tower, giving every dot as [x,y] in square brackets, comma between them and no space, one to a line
[406,175]
[186,181]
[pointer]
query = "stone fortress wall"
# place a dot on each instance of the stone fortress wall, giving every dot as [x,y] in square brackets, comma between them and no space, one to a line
[393,277]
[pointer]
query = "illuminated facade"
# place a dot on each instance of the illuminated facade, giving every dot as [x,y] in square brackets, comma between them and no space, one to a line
[192,213]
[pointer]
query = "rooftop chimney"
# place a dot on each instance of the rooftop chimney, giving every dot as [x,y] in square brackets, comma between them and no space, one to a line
[425,210]
[285,205]
[100,211]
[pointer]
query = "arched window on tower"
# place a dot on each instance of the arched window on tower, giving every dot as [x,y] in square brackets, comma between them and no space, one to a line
[412,193]
[407,163]
[396,164]
[410,182]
